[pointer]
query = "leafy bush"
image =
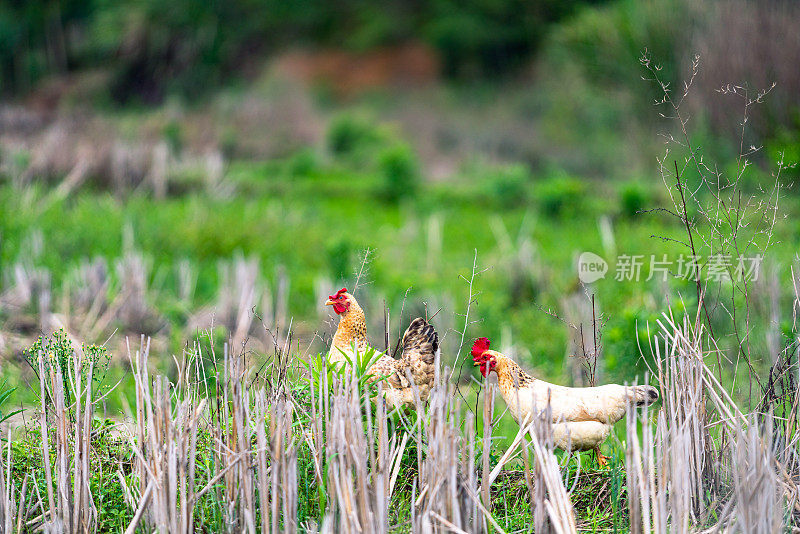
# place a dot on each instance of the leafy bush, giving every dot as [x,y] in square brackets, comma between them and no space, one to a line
[559,194]
[596,107]
[303,163]
[508,186]
[190,46]
[347,134]
[606,43]
[33,40]
[399,170]
[485,37]
[185,47]
[57,349]
[360,362]
[633,198]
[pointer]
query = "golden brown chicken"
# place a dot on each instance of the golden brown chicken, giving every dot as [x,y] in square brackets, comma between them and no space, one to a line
[582,417]
[420,347]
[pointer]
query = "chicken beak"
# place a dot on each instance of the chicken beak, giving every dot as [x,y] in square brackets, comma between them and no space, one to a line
[329,302]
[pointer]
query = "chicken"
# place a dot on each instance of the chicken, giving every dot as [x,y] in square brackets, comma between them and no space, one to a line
[420,348]
[582,417]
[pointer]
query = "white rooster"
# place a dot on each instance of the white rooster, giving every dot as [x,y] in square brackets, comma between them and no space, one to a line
[582,417]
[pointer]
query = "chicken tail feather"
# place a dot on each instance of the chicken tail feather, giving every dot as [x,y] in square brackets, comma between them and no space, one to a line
[420,341]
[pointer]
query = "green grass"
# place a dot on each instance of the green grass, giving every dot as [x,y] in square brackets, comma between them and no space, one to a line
[589,156]
[313,214]
[317,222]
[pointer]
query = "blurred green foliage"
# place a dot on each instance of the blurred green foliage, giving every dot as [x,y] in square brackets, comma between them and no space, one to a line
[318,222]
[509,185]
[303,163]
[349,133]
[633,198]
[607,43]
[173,135]
[341,255]
[313,210]
[399,169]
[487,37]
[560,194]
[597,110]
[784,149]
[34,40]
[154,48]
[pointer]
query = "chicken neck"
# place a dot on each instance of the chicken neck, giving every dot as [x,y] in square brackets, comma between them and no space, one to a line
[510,376]
[352,329]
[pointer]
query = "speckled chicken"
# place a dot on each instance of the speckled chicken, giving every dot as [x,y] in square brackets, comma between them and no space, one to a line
[420,346]
[582,417]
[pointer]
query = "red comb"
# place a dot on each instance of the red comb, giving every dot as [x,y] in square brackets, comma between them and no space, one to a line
[343,290]
[481,345]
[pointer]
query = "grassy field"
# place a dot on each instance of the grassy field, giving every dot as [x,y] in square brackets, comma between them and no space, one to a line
[213,224]
[315,407]
[306,222]
[294,446]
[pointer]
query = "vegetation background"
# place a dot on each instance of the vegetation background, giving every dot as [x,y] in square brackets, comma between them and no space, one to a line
[169,168]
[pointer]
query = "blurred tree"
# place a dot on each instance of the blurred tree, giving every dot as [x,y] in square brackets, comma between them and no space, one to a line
[486,37]
[399,169]
[154,47]
[36,38]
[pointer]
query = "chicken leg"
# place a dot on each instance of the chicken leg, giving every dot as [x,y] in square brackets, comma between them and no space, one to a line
[602,461]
